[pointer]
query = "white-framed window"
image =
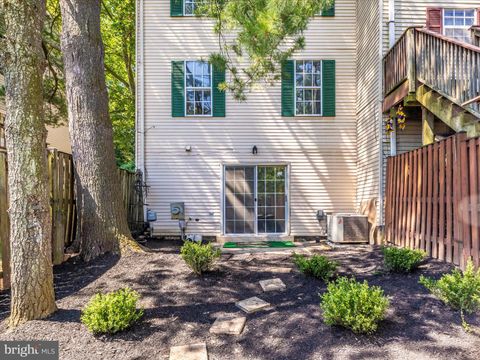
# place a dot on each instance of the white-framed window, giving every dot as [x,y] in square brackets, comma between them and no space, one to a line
[308,88]
[189,7]
[198,88]
[456,23]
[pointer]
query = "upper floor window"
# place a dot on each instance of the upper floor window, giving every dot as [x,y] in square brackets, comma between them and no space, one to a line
[308,87]
[456,23]
[189,7]
[198,88]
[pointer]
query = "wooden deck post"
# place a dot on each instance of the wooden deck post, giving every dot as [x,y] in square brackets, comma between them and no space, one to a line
[411,61]
[428,127]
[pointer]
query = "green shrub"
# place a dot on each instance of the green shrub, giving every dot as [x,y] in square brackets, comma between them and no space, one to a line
[354,305]
[199,258]
[317,266]
[459,290]
[112,312]
[402,260]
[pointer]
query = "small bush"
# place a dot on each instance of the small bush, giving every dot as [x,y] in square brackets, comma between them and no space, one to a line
[199,258]
[402,260]
[317,266]
[459,290]
[112,312]
[354,305]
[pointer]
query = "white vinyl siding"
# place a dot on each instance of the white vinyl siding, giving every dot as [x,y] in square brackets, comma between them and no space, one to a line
[368,99]
[320,152]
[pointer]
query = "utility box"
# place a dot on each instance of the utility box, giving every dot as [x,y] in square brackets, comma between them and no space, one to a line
[177,211]
[348,228]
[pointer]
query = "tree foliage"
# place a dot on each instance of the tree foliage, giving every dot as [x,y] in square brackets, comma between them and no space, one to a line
[118,32]
[256,36]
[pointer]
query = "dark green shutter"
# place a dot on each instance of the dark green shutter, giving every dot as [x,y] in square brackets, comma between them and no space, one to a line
[288,88]
[218,96]
[330,11]
[328,87]
[176,7]
[178,89]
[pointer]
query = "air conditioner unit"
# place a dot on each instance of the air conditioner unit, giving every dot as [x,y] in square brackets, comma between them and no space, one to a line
[347,228]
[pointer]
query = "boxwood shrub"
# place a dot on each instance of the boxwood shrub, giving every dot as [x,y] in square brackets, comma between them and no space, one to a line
[354,305]
[460,290]
[198,257]
[402,260]
[317,266]
[112,312]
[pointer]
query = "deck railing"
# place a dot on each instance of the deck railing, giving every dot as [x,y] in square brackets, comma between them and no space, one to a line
[446,65]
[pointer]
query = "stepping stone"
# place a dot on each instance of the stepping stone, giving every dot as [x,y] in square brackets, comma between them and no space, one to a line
[252,305]
[189,352]
[272,285]
[242,257]
[230,325]
[279,270]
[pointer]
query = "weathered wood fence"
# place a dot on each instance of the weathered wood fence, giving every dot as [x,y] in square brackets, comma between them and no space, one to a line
[63,210]
[433,200]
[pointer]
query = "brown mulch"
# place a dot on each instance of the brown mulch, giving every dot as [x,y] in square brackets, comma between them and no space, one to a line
[180,308]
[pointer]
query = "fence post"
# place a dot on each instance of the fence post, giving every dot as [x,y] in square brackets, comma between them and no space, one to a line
[4,223]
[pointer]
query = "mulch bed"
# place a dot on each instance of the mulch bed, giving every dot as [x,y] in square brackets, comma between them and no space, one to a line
[180,308]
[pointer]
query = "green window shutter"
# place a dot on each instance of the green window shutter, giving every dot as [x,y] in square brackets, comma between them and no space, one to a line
[288,88]
[176,7]
[178,89]
[330,11]
[218,96]
[328,83]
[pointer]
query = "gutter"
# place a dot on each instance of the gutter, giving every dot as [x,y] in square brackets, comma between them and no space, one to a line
[139,95]
[391,42]
[380,217]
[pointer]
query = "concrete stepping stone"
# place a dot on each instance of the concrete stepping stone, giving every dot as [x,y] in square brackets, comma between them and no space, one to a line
[252,305]
[230,325]
[279,270]
[272,285]
[247,257]
[189,352]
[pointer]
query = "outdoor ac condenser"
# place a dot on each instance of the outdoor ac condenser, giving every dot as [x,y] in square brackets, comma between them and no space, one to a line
[348,228]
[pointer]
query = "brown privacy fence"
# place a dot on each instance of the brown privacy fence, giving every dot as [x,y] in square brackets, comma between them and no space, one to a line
[433,200]
[63,210]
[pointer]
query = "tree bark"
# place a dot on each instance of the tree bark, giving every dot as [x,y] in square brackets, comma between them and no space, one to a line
[102,222]
[32,294]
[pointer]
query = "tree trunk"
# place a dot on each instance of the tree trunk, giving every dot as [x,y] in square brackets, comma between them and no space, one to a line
[32,295]
[102,222]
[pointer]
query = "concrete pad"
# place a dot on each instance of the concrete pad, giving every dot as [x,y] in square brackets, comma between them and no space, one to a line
[189,352]
[230,325]
[272,285]
[252,305]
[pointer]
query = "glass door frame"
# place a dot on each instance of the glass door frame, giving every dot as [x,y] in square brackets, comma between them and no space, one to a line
[287,199]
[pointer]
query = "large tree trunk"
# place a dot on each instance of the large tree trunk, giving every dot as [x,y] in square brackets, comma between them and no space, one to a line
[32,294]
[102,218]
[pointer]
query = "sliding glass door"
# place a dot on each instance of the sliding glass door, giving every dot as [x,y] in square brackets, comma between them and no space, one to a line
[255,199]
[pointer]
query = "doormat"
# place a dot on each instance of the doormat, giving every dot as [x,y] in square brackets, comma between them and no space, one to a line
[259,244]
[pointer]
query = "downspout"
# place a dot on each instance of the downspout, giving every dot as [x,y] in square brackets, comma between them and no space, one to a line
[391,42]
[380,218]
[139,108]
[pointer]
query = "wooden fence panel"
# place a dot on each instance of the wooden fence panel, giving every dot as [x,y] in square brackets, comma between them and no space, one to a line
[433,200]
[62,206]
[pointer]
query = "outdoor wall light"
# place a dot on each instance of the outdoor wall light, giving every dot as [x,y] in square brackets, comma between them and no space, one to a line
[254,150]
[188,148]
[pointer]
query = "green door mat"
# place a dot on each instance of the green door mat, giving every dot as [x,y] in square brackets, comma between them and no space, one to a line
[259,244]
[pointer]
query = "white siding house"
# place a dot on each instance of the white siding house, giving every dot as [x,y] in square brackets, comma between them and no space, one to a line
[333,161]
[315,156]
